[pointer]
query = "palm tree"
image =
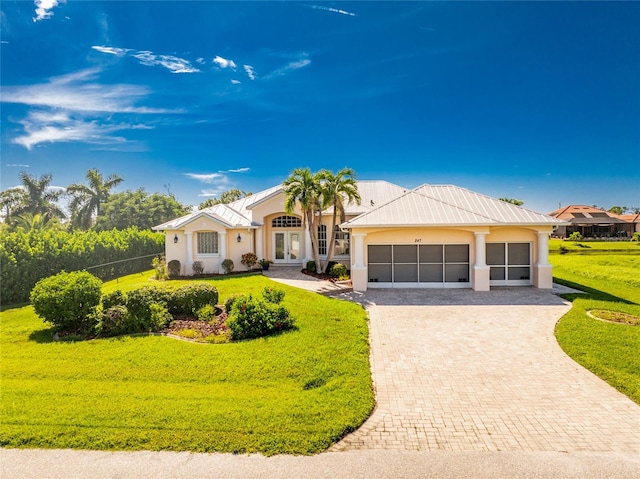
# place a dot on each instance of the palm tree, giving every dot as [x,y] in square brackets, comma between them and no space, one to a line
[338,191]
[86,200]
[38,222]
[303,187]
[39,199]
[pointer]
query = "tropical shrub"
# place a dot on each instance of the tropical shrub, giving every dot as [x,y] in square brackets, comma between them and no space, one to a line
[575,236]
[27,257]
[143,311]
[191,297]
[272,295]
[173,267]
[115,298]
[198,267]
[338,270]
[249,260]
[160,267]
[228,266]
[253,318]
[113,321]
[636,236]
[228,303]
[66,300]
[206,312]
[311,266]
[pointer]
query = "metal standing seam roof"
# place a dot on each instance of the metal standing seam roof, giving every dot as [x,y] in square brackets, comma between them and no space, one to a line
[221,213]
[448,205]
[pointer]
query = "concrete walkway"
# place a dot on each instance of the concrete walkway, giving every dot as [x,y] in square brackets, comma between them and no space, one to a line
[293,276]
[468,385]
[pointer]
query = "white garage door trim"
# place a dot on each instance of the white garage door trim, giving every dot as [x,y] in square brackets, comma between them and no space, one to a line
[398,265]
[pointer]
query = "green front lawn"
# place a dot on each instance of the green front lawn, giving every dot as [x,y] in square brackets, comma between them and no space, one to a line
[297,392]
[612,283]
[595,246]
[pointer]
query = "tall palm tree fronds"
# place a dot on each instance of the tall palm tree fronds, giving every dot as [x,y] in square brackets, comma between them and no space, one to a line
[303,188]
[338,191]
[40,198]
[86,200]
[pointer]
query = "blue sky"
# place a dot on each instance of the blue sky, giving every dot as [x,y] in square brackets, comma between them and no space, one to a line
[537,101]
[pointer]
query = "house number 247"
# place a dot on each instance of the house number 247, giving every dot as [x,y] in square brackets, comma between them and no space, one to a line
[418,240]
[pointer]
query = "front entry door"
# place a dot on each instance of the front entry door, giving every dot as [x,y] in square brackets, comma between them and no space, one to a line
[286,247]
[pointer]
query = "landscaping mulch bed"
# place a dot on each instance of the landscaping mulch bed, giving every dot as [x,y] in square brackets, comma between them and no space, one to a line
[204,328]
[324,276]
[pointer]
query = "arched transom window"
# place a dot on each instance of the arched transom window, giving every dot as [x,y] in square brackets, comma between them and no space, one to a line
[286,222]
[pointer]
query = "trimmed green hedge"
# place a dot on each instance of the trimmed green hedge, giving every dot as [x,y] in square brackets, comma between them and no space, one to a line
[26,257]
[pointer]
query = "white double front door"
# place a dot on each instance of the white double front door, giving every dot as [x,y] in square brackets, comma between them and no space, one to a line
[287,247]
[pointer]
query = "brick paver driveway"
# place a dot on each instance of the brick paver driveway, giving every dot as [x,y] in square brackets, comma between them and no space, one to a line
[462,370]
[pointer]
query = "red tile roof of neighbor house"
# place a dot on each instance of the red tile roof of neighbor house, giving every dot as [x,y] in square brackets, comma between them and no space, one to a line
[586,215]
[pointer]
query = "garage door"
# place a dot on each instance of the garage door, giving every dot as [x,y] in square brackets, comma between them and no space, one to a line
[510,264]
[418,266]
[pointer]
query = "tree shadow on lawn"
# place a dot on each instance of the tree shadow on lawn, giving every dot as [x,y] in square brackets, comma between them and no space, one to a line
[42,336]
[592,293]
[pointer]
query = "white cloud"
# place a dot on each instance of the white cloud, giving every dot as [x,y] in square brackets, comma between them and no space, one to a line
[209,192]
[239,170]
[17,165]
[209,178]
[72,108]
[76,92]
[120,52]
[44,7]
[251,73]
[333,10]
[224,63]
[172,63]
[236,82]
[200,60]
[291,66]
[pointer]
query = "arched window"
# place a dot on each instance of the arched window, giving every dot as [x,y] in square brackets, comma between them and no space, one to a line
[286,222]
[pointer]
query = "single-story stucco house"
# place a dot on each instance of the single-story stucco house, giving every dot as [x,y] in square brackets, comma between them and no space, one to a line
[429,237]
[592,222]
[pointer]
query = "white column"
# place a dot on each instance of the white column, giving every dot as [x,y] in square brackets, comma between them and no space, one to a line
[481,249]
[543,249]
[258,232]
[188,268]
[359,276]
[481,272]
[222,246]
[358,249]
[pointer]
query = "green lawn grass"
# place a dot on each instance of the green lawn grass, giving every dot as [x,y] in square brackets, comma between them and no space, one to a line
[297,392]
[612,282]
[595,246]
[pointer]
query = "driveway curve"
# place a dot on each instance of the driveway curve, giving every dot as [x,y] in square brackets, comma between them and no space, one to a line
[470,371]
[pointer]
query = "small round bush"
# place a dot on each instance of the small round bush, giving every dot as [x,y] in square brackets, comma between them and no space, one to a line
[115,298]
[67,300]
[227,266]
[253,318]
[174,268]
[338,270]
[198,267]
[272,295]
[113,321]
[311,266]
[143,314]
[249,260]
[206,312]
[189,298]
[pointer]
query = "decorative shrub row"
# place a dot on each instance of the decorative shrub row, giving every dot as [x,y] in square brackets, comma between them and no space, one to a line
[73,303]
[253,318]
[27,257]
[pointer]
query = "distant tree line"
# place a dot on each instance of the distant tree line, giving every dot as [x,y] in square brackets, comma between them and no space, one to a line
[34,205]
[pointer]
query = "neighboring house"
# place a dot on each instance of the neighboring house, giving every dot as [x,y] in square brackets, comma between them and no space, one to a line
[428,237]
[633,219]
[592,222]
